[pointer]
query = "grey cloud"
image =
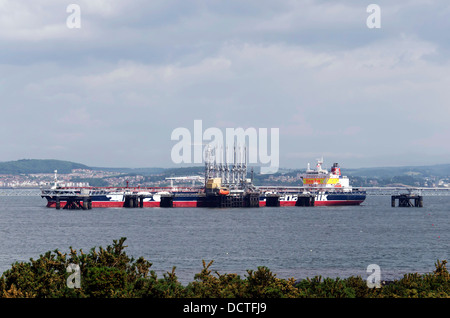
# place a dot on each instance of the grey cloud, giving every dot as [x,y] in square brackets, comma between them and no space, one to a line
[137,70]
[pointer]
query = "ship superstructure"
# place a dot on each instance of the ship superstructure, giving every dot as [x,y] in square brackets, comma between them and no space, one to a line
[323,188]
[321,178]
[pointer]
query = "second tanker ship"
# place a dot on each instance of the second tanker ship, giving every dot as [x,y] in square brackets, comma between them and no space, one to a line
[327,188]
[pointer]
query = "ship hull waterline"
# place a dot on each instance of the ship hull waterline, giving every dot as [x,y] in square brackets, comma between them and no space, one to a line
[348,199]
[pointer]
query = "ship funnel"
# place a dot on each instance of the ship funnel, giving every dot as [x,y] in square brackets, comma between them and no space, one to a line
[335,169]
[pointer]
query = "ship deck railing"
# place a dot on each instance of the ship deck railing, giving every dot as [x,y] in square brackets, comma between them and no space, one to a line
[129,189]
[372,191]
[429,191]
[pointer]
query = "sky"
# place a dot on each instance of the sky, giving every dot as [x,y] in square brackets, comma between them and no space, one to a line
[110,92]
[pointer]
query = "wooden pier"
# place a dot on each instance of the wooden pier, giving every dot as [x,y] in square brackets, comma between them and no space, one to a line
[134,201]
[305,199]
[407,200]
[273,199]
[74,202]
[166,200]
[239,200]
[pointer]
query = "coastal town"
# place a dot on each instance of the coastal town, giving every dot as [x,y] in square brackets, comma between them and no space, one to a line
[99,178]
[77,178]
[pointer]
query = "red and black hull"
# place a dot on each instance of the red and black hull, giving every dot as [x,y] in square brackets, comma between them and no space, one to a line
[197,199]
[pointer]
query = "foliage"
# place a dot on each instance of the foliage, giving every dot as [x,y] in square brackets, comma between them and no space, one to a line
[259,284]
[110,273]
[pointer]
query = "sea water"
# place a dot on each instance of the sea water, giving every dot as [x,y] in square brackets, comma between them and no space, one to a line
[296,242]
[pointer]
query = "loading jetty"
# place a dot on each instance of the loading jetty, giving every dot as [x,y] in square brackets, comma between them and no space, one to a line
[225,186]
[228,186]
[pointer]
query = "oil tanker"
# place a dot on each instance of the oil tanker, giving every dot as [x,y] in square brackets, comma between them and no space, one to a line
[323,188]
[326,188]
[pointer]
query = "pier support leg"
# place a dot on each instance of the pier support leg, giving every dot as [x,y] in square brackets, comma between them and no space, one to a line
[85,204]
[273,200]
[166,201]
[305,200]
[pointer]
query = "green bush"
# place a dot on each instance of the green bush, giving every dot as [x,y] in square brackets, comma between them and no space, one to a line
[110,273]
[259,284]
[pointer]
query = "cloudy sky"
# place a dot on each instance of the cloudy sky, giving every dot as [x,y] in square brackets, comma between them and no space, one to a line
[111,92]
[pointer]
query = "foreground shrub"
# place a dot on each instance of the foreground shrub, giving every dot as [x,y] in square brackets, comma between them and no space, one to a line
[335,288]
[105,273]
[414,285]
[261,283]
[110,273]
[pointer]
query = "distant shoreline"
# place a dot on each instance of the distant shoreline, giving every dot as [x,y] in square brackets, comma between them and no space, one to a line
[21,188]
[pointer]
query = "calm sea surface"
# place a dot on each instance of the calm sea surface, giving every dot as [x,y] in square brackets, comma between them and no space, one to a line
[294,242]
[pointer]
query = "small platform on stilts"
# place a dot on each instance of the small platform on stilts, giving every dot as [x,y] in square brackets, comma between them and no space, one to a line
[407,200]
[74,202]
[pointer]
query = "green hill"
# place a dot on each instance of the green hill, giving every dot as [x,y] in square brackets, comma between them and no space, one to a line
[27,166]
[441,170]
